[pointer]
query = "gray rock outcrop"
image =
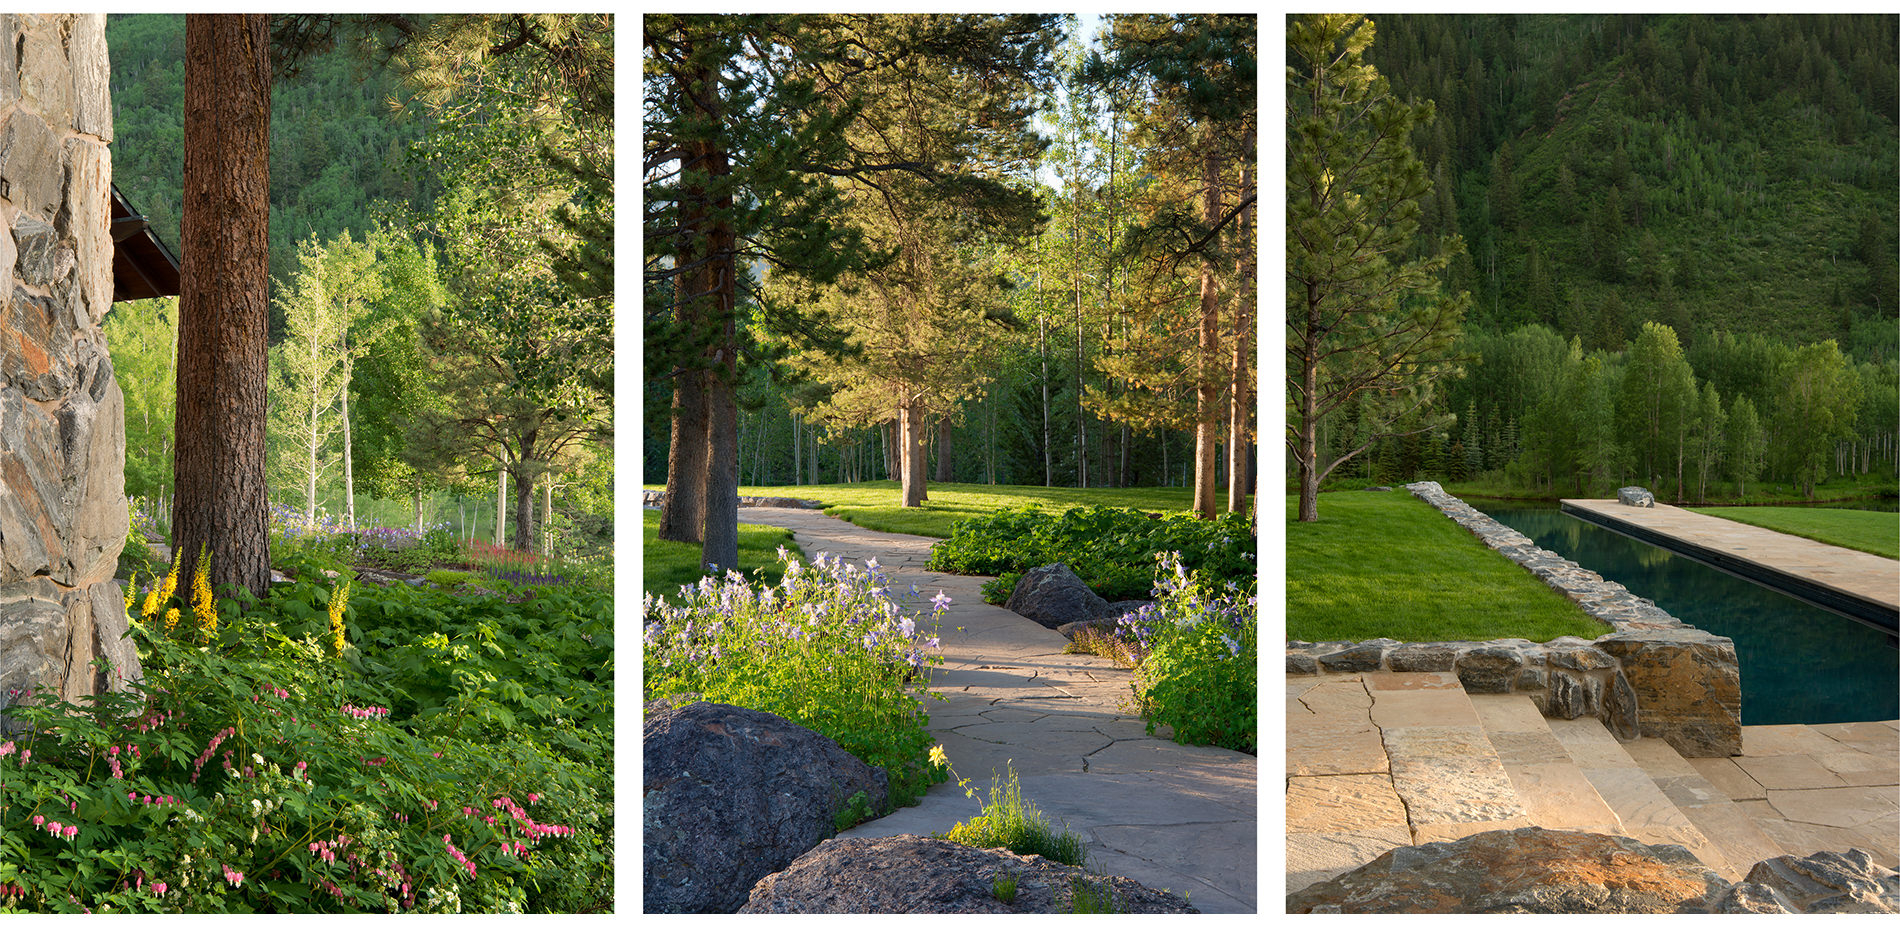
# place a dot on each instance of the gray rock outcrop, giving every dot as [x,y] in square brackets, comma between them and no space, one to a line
[1636,496]
[732,794]
[908,874]
[1536,871]
[1053,596]
[62,417]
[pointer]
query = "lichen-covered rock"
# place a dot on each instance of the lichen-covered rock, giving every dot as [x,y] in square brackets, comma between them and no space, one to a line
[1686,687]
[1489,669]
[908,874]
[1053,596]
[1635,495]
[1828,883]
[1422,658]
[731,794]
[1525,871]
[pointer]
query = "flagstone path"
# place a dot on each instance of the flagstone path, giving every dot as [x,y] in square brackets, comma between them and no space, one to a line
[1168,815]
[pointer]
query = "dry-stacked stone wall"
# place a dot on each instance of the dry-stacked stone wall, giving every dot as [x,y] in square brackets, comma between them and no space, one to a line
[1653,675]
[62,417]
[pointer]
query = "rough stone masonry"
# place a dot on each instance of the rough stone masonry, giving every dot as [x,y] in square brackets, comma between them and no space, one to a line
[62,417]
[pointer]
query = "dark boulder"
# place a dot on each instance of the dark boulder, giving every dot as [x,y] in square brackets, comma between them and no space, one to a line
[733,794]
[908,874]
[1053,596]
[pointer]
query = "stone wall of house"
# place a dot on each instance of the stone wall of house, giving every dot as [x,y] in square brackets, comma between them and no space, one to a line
[62,417]
[1654,675]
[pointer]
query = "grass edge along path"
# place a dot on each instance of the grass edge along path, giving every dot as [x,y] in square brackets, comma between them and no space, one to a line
[874,504]
[1386,564]
[665,566]
[1854,529]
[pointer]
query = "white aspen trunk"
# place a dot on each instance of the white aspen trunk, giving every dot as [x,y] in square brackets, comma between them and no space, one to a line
[547,514]
[501,505]
[349,471]
[798,452]
[310,485]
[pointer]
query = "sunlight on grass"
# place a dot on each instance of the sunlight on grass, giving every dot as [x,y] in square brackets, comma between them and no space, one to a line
[1389,565]
[665,566]
[1873,532]
[874,504]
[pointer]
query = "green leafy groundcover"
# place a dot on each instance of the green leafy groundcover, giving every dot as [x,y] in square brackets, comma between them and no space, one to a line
[455,756]
[1113,550]
[830,647]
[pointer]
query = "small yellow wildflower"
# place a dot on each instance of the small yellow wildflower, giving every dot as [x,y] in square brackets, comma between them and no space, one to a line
[337,601]
[201,596]
[938,757]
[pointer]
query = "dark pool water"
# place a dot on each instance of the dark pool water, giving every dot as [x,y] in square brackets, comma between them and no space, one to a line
[1800,664]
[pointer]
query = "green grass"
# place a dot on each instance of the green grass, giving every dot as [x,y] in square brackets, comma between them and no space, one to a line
[1873,532]
[665,566]
[1389,565]
[1013,824]
[874,505]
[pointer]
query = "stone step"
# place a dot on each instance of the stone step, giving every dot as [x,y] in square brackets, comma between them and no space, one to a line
[1575,775]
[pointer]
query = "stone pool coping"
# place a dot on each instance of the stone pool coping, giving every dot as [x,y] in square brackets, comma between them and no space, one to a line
[1652,676]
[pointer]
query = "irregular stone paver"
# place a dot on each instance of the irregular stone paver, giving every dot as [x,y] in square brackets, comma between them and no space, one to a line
[1788,771]
[1849,808]
[1171,816]
[1340,804]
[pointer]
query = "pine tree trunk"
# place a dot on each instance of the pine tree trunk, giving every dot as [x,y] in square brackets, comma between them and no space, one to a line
[910,440]
[1240,404]
[220,503]
[1042,345]
[720,547]
[1207,390]
[798,454]
[946,463]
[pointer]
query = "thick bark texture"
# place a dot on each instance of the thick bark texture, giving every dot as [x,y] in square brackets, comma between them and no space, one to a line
[1207,393]
[223,306]
[720,537]
[946,459]
[524,510]
[910,441]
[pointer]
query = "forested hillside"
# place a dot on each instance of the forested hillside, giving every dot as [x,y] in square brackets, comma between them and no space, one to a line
[440,268]
[338,146]
[1710,173]
[1679,240]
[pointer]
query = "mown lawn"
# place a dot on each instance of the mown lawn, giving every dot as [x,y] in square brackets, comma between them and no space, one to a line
[874,505]
[1873,532]
[1385,564]
[665,566]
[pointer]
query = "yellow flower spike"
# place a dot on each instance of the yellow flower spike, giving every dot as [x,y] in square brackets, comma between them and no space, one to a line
[171,619]
[170,585]
[337,600]
[201,602]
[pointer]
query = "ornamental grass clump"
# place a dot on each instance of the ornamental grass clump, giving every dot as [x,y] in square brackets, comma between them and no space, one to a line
[830,647]
[1195,650]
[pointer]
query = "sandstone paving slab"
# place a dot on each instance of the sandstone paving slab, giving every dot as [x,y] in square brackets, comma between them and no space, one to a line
[1878,733]
[1527,747]
[1443,831]
[1689,791]
[1850,807]
[1785,740]
[1446,741]
[1857,768]
[1558,796]
[1339,804]
[1347,695]
[1513,713]
[1339,747]
[1447,789]
[978,760]
[1037,737]
[1638,802]
[1658,758]
[1800,838]
[1423,708]
[1734,782]
[1591,745]
[1314,858]
[1730,829]
[1075,798]
[1788,771]
[1398,682]
[1154,755]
